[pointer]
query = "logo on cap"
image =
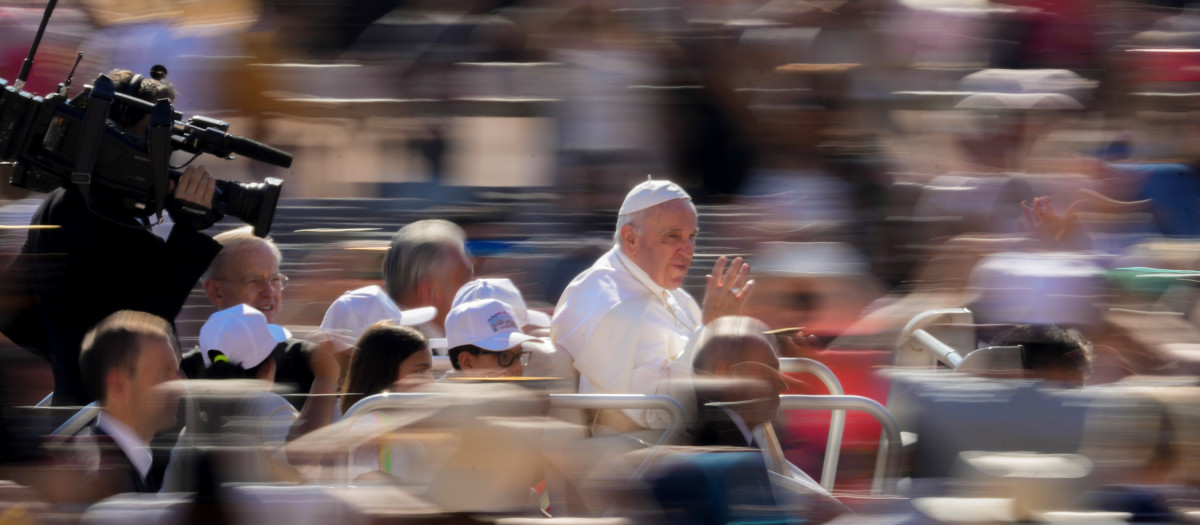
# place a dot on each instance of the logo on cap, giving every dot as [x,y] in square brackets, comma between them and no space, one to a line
[502,321]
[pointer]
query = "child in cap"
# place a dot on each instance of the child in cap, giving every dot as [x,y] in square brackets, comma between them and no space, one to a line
[503,290]
[545,360]
[485,339]
[238,343]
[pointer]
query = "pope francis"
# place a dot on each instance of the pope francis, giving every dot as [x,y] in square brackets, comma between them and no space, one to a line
[625,322]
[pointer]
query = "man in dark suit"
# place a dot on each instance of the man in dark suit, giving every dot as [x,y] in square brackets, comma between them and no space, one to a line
[737,389]
[737,383]
[126,359]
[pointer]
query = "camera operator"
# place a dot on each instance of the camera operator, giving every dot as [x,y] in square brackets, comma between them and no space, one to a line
[77,267]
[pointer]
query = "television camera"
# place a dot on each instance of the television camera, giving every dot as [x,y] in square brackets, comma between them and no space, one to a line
[55,141]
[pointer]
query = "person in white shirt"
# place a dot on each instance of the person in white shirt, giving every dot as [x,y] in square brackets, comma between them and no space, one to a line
[625,322]
[349,317]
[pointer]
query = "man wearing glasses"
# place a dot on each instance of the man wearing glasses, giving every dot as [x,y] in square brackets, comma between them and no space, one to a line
[485,340]
[246,271]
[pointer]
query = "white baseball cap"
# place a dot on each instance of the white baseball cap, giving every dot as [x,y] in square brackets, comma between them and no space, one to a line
[486,323]
[355,311]
[505,291]
[243,334]
[651,193]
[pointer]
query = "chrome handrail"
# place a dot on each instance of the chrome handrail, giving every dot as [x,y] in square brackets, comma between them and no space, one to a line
[943,352]
[837,421]
[80,419]
[887,461]
[915,337]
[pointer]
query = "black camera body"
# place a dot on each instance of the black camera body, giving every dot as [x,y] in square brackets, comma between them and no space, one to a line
[54,141]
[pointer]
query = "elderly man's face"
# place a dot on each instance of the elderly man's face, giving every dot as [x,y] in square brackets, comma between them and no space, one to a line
[456,271]
[663,244]
[248,276]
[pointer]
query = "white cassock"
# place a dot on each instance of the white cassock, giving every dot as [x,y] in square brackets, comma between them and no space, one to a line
[626,334]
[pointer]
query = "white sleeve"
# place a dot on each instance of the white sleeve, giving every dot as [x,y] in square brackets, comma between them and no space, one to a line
[625,355]
[608,352]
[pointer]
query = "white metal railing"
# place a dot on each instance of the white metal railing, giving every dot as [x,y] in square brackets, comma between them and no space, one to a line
[887,461]
[943,352]
[919,346]
[837,421]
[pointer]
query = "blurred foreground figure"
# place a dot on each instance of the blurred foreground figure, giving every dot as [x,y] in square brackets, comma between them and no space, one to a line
[738,411]
[737,389]
[464,447]
[126,358]
[625,321]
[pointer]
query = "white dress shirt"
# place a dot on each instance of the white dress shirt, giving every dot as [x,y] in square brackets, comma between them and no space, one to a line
[627,334]
[130,443]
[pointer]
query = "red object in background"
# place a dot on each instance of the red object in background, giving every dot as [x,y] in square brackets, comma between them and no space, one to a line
[1166,65]
[55,55]
[806,431]
[1056,34]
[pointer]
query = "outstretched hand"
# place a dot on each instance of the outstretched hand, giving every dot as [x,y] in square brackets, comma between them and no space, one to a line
[1046,224]
[727,289]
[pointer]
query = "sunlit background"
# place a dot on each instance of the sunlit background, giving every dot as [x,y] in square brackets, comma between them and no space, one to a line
[869,158]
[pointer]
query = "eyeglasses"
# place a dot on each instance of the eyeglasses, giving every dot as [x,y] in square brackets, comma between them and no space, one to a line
[506,359]
[277,281]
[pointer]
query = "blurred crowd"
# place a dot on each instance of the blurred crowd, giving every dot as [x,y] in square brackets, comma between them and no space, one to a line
[623,261]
